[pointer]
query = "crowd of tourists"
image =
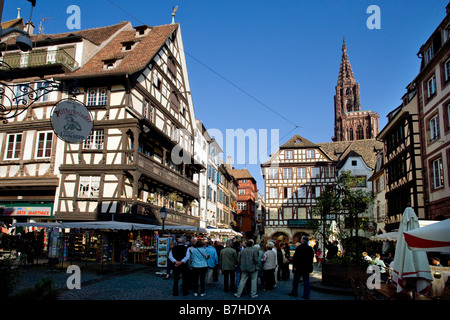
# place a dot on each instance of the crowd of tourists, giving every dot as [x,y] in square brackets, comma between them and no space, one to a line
[245,266]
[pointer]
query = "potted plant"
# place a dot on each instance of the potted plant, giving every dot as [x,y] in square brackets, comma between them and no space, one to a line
[345,205]
[151,200]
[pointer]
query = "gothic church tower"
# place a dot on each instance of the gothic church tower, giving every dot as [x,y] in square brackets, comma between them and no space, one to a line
[350,123]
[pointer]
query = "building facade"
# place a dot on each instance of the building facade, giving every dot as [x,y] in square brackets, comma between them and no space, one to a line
[294,177]
[246,208]
[139,155]
[213,182]
[401,162]
[433,97]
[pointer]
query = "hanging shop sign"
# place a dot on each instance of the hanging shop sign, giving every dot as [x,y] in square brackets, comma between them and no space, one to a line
[71,121]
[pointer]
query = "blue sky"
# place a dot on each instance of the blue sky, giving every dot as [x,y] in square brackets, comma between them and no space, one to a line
[260,64]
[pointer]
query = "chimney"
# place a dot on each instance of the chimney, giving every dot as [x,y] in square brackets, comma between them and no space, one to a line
[29,27]
[229,162]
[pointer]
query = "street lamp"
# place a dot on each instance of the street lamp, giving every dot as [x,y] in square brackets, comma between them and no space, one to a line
[163,213]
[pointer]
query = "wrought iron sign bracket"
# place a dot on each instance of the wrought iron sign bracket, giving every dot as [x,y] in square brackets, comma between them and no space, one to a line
[16,99]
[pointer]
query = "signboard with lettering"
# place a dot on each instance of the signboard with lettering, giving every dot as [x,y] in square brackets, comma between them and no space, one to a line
[27,211]
[71,121]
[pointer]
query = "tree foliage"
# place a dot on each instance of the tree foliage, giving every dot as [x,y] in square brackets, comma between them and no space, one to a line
[346,203]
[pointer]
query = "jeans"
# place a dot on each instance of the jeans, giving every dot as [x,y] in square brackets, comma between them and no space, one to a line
[229,277]
[244,277]
[199,274]
[306,288]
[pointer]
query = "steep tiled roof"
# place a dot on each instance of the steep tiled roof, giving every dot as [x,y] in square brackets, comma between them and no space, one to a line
[241,174]
[340,151]
[129,61]
[298,142]
[16,23]
[96,35]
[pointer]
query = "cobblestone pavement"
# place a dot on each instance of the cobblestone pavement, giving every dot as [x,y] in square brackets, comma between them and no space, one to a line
[141,282]
[145,284]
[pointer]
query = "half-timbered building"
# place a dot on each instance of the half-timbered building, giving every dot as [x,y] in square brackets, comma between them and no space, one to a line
[139,155]
[401,163]
[294,177]
[246,207]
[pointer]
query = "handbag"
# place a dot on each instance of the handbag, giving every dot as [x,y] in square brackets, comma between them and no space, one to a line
[206,257]
[190,260]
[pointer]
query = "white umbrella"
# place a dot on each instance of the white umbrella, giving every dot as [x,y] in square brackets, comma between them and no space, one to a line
[411,268]
[434,237]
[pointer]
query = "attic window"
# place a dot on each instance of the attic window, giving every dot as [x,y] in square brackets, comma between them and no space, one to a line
[128,45]
[297,141]
[142,30]
[110,64]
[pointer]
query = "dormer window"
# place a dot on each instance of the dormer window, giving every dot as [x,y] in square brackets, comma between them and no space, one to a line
[429,54]
[446,33]
[142,30]
[110,64]
[128,45]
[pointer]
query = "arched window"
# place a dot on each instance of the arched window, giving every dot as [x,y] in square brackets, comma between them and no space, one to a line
[349,106]
[360,133]
[368,133]
[351,134]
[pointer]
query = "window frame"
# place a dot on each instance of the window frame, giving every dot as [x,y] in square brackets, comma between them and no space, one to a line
[287,192]
[303,194]
[16,151]
[433,123]
[287,213]
[429,54]
[315,173]
[92,139]
[273,193]
[45,149]
[310,152]
[447,70]
[90,192]
[273,173]
[290,153]
[100,98]
[432,80]
[301,173]
[287,173]
[433,175]
[46,96]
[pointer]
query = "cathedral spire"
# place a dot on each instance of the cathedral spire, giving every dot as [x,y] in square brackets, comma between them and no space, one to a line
[350,123]
[345,70]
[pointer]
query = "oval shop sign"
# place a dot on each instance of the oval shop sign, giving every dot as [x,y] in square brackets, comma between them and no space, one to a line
[71,121]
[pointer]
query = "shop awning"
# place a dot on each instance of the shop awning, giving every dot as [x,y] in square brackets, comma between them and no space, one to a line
[113,225]
[38,224]
[392,236]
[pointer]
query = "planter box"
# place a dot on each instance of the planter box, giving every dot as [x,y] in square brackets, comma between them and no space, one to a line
[337,275]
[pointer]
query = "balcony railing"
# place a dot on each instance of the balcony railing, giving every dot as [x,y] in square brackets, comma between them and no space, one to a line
[129,210]
[41,58]
[162,174]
